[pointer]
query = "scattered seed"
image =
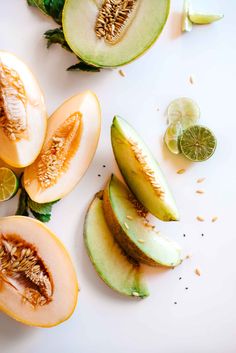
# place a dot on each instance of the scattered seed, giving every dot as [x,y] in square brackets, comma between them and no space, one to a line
[122,73]
[181,171]
[186,288]
[200,180]
[198,272]
[214,219]
[126,225]
[188,256]
[202,235]
[184,235]
[200,192]
[200,219]
[99,175]
[104,166]
[180,278]
[141,241]
[191,79]
[175,303]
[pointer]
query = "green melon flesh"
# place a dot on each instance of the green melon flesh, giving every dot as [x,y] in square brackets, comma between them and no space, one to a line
[79,19]
[108,258]
[137,237]
[163,207]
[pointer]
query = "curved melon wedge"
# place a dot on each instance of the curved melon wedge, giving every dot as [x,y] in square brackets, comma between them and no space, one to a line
[72,138]
[38,284]
[111,264]
[141,171]
[136,236]
[23,119]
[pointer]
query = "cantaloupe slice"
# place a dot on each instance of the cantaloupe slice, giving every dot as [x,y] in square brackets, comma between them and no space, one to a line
[71,141]
[38,284]
[23,118]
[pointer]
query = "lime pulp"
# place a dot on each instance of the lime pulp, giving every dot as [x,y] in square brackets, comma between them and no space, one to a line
[204,18]
[184,110]
[198,143]
[171,138]
[9,184]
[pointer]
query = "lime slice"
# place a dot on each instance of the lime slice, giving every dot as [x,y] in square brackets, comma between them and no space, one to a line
[9,184]
[197,143]
[184,110]
[186,23]
[204,18]
[171,138]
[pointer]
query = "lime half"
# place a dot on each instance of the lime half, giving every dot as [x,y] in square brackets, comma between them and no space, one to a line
[197,143]
[186,23]
[173,132]
[204,18]
[9,184]
[184,110]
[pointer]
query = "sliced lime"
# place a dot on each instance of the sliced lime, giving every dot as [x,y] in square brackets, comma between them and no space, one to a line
[186,23]
[197,143]
[184,110]
[9,184]
[204,18]
[171,138]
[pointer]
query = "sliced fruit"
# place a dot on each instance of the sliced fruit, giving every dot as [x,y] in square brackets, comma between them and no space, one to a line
[136,236]
[38,284]
[112,33]
[9,184]
[141,172]
[171,138]
[184,110]
[204,18]
[186,23]
[198,143]
[23,118]
[71,142]
[112,265]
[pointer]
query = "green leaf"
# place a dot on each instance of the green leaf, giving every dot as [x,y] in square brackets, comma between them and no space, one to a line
[82,66]
[56,36]
[41,217]
[54,9]
[42,208]
[23,204]
[31,3]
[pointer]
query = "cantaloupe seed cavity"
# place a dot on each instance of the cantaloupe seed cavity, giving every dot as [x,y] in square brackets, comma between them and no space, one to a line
[60,149]
[13,100]
[23,269]
[140,209]
[147,171]
[114,18]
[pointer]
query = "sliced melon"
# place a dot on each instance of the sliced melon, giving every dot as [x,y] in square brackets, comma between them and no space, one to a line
[23,118]
[133,232]
[109,33]
[110,262]
[38,284]
[141,171]
[71,141]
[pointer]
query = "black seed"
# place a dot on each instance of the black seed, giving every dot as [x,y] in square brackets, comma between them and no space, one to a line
[202,235]
[175,302]
[99,175]
[184,235]
[104,166]
[186,288]
[180,278]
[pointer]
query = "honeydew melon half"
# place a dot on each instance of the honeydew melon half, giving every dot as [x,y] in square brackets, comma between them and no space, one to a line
[38,284]
[23,118]
[70,144]
[133,26]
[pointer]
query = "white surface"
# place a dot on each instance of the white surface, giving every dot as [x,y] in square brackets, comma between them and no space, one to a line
[204,319]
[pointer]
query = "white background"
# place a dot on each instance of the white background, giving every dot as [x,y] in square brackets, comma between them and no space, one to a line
[204,318]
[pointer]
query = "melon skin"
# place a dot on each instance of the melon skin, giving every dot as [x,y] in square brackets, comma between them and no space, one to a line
[19,154]
[58,262]
[79,18]
[88,105]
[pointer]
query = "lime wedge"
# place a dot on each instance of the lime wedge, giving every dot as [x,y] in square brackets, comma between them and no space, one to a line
[171,138]
[197,143]
[186,23]
[9,184]
[184,110]
[204,18]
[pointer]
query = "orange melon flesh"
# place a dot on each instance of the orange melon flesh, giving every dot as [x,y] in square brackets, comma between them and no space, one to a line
[24,151]
[59,265]
[87,106]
